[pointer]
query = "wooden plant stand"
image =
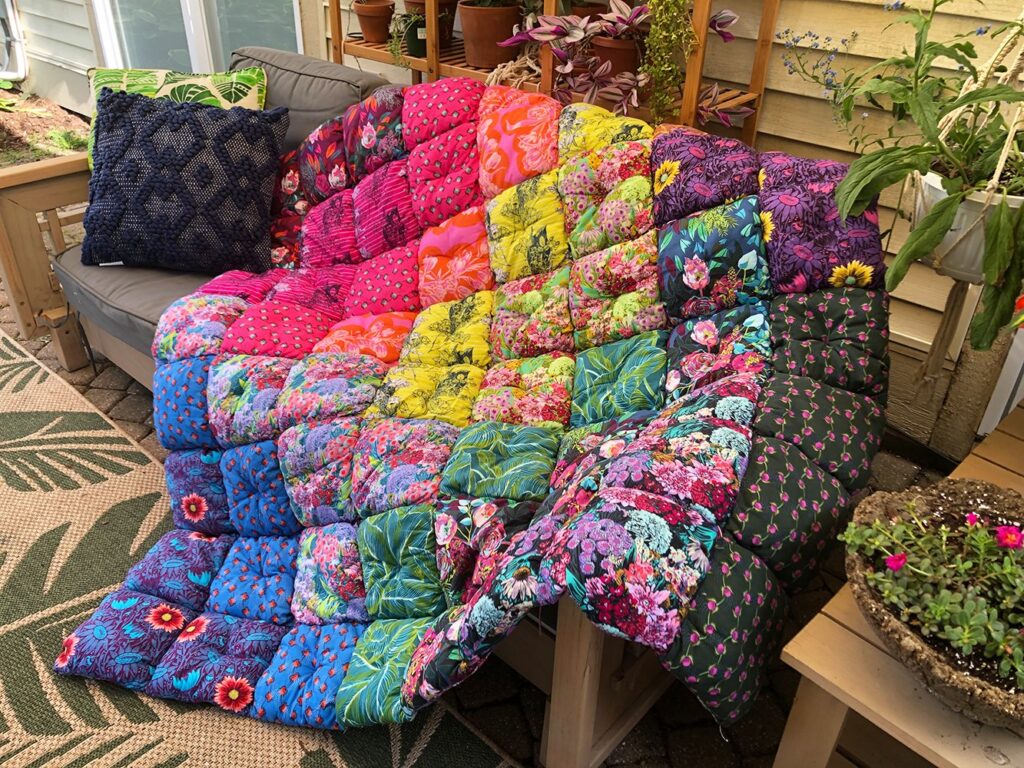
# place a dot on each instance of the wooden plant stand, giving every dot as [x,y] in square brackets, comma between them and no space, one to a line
[852,688]
[451,62]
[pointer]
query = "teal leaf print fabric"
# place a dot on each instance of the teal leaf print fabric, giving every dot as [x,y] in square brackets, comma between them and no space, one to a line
[399,564]
[620,378]
[509,461]
[714,260]
[371,692]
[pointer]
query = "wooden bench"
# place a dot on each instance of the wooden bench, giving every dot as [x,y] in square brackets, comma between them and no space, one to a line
[859,706]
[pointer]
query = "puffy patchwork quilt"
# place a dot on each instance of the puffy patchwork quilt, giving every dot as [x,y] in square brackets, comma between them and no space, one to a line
[529,353]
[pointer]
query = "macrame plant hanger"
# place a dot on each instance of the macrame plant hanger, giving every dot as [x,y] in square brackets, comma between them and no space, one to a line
[931,368]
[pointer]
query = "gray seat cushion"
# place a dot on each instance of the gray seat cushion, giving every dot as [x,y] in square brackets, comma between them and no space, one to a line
[313,90]
[126,302]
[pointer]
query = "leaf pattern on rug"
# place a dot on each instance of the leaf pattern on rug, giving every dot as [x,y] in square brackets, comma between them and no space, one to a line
[17,372]
[49,450]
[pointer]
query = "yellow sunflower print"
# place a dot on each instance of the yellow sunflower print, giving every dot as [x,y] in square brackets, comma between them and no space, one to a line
[665,175]
[767,226]
[848,275]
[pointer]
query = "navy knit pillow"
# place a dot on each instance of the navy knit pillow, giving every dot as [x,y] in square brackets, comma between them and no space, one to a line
[181,186]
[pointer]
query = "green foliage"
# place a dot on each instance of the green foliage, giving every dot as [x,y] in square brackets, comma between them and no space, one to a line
[7,104]
[932,127]
[961,585]
[67,140]
[400,24]
[671,33]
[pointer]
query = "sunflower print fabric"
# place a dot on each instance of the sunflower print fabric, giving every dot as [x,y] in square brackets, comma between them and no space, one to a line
[530,352]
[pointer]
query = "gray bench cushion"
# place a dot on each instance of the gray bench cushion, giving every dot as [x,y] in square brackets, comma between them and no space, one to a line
[126,302]
[313,90]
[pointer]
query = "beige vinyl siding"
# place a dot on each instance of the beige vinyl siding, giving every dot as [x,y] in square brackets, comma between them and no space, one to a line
[60,48]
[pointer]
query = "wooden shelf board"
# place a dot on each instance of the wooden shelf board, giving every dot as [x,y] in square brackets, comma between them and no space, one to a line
[379,52]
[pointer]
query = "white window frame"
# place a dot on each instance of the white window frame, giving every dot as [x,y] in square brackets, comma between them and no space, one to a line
[198,34]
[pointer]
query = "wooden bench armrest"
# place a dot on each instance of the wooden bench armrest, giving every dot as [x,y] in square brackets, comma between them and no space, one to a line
[30,198]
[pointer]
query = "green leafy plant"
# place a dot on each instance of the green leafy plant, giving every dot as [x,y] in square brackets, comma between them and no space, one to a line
[950,122]
[7,104]
[67,140]
[400,24]
[960,582]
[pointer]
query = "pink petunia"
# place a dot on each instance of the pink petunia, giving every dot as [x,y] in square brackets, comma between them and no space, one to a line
[1010,537]
[896,562]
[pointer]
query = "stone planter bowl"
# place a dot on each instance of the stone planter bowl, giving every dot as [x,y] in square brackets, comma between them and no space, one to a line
[973,697]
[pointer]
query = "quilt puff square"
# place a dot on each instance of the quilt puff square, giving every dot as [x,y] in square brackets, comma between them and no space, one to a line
[321,158]
[702,351]
[509,461]
[257,500]
[443,175]
[400,564]
[384,213]
[257,579]
[451,333]
[613,294]
[124,639]
[275,327]
[180,404]
[431,109]
[618,379]
[250,287]
[534,391]
[398,463]
[517,137]
[714,260]
[531,316]
[195,484]
[810,247]
[838,337]
[194,326]
[428,392]
[454,258]
[243,391]
[585,127]
[387,283]
[329,577]
[328,234]
[381,336]
[217,659]
[321,289]
[324,385]
[526,229]
[179,568]
[607,196]
[373,131]
[582,447]
[300,685]
[316,461]
[371,692]
[694,171]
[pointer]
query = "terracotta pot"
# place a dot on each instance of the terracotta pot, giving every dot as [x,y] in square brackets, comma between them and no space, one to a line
[446,8]
[482,30]
[416,40]
[588,9]
[623,54]
[374,19]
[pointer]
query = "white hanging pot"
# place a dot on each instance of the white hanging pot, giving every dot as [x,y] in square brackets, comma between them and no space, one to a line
[961,252]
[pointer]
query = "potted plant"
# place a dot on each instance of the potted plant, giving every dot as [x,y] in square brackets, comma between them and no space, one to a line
[374,18]
[485,23]
[618,35]
[955,142]
[584,10]
[410,29]
[446,17]
[939,572]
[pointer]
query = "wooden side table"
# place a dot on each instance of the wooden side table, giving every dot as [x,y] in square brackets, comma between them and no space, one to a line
[849,677]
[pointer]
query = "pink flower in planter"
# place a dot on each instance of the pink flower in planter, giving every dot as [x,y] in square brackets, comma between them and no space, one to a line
[1009,537]
[895,562]
[972,519]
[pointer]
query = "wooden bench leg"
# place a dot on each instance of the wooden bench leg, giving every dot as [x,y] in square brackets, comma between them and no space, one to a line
[569,724]
[812,730]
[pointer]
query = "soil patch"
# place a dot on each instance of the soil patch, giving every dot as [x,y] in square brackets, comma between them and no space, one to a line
[33,128]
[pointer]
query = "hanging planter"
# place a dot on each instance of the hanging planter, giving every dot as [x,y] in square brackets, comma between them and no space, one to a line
[961,253]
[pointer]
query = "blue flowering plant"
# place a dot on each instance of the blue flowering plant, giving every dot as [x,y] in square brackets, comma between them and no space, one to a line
[948,114]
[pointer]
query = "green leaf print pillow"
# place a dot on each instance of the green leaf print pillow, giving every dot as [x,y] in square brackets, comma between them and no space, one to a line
[241,88]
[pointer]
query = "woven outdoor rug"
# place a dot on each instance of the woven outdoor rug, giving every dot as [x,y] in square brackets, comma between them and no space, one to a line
[79,503]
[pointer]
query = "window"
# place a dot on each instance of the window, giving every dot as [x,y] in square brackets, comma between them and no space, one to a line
[191,35]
